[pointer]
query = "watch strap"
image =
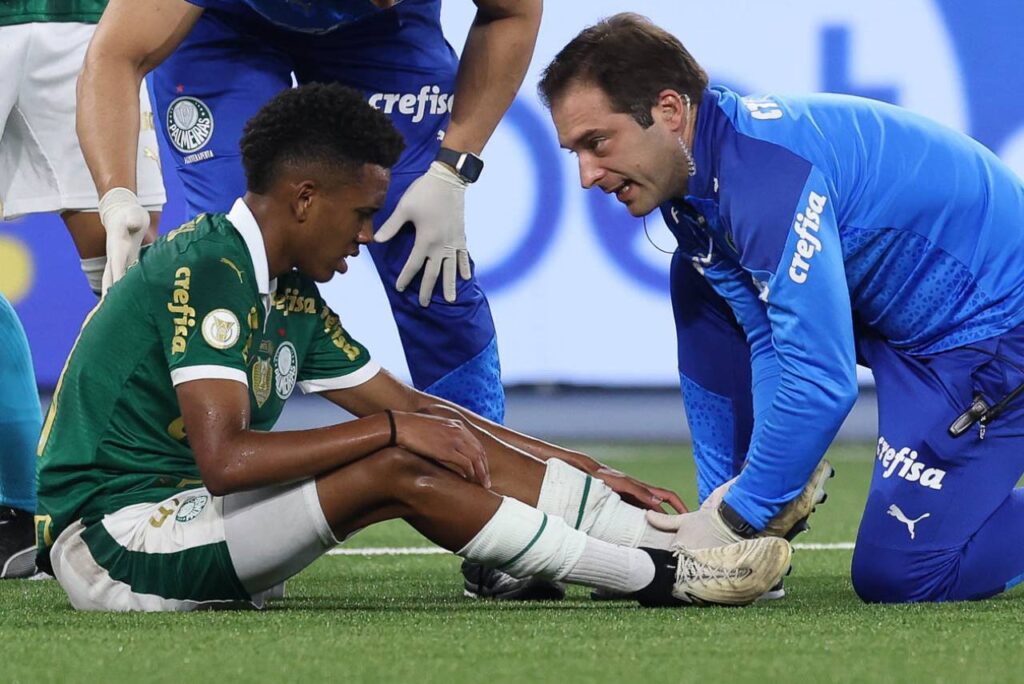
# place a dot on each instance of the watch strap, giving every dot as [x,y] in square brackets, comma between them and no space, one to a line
[736,522]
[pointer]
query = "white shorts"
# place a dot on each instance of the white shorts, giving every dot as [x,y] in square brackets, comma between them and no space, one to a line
[41,165]
[192,551]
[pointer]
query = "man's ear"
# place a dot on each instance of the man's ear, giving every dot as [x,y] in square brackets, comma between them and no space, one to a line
[303,194]
[671,108]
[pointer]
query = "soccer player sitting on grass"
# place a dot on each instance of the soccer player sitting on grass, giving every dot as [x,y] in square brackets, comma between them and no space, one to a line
[815,233]
[161,489]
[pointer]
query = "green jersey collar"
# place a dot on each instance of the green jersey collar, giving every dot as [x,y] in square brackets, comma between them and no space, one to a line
[245,223]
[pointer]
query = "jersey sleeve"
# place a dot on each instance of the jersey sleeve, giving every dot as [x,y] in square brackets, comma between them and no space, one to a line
[810,323]
[202,319]
[334,359]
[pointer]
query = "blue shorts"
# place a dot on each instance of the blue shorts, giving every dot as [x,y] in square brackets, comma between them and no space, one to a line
[231,64]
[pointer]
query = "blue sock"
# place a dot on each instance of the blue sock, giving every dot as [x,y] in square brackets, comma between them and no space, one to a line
[20,415]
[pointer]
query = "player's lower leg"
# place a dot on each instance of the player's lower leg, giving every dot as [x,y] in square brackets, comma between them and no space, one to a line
[589,505]
[523,541]
[20,423]
[557,488]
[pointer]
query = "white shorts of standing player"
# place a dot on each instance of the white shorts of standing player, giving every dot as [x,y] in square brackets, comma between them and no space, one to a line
[41,163]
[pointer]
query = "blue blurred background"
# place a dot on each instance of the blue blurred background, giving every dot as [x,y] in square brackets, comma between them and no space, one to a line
[578,292]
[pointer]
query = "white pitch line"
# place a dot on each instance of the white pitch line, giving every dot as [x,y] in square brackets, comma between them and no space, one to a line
[438,551]
[391,551]
[833,546]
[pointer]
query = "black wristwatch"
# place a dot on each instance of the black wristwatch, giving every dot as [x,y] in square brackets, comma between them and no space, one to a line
[735,522]
[466,164]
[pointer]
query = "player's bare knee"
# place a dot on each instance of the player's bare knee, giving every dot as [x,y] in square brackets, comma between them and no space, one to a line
[414,480]
[396,463]
[406,473]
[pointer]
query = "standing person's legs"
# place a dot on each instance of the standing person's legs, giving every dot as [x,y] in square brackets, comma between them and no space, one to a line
[17,487]
[943,520]
[27,183]
[400,60]
[451,348]
[40,150]
[20,423]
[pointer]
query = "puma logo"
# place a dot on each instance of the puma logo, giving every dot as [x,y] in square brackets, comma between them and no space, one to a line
[895,512]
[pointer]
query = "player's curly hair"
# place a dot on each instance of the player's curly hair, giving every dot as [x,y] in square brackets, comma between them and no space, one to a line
[315,123]
[631,60]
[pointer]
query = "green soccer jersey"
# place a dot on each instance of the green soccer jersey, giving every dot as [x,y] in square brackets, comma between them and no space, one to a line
[199,304]
[45,11]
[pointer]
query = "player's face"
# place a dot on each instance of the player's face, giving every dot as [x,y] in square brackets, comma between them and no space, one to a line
[642,167]
[341,220]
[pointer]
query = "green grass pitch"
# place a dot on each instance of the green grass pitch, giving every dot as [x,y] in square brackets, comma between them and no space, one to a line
[402,618]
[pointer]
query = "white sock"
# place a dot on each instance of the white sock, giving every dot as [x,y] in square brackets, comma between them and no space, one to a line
[589,505]
[93,269]
[525,542]
[618,568]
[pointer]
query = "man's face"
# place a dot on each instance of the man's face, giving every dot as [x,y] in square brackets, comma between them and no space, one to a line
[643,167]
[340,220]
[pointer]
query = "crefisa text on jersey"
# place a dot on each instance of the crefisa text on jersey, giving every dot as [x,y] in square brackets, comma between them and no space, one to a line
[806,226]
[186,317]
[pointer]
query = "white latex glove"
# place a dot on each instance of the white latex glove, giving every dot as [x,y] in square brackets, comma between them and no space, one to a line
[715,497]
[126,222]
[696,530]
[435,205]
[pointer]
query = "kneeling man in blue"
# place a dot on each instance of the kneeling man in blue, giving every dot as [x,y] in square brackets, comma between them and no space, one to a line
[815,233]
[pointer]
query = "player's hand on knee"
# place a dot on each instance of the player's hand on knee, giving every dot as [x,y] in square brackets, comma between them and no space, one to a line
[435,205]
[639,493]
[446,441]
[126,223]
[697,530]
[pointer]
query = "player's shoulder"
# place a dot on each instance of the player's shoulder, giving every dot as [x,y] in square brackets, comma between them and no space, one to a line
[207,243]
[205,233]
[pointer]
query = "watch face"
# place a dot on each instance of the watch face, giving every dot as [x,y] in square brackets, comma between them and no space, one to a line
[466,164]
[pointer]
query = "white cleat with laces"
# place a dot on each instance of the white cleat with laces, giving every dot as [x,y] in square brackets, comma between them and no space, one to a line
[731,575]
